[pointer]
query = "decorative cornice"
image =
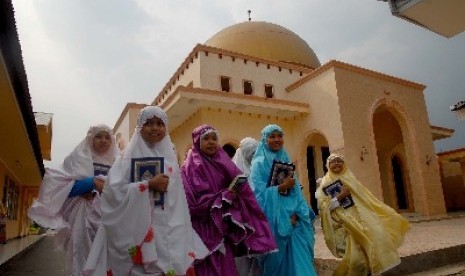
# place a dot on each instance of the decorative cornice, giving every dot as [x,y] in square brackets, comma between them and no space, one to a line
[355,69]
[282,64]
[228,95]
[204,48]
[450,130]
[454,151]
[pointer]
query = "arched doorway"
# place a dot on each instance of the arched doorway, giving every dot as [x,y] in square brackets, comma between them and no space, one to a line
[316,154]
[399,183]
[392,158]
[229,149]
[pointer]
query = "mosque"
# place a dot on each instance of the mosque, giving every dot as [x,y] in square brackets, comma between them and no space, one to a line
[253,74]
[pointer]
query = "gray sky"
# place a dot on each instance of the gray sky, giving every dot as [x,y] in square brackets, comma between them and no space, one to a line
[86,59]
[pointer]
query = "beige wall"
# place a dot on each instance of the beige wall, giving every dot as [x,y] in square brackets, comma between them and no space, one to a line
[232,126]
[449,168]
[133,112]
[365,115]
[182,136]
[453,183]
[184,76]
[323,122]
[360,96]
[324,114]
[191,74]
[122,132]
[127,125]
[344,106]
[213,67]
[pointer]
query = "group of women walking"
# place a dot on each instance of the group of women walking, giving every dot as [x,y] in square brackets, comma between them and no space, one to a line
[140,213]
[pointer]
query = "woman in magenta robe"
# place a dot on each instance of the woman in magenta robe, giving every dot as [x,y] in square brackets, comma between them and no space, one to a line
[229,222]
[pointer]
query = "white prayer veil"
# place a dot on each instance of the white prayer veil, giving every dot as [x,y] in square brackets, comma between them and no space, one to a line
[109,156]
[79,163]
[128,213]
[76,219]
[244,154]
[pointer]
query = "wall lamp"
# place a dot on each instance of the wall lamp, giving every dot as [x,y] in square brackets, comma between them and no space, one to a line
[428,159]
[363,152]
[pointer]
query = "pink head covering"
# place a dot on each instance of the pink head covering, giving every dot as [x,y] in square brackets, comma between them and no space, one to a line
[219,170]
[206,181]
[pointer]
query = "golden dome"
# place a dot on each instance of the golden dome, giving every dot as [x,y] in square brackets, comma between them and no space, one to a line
[265,40]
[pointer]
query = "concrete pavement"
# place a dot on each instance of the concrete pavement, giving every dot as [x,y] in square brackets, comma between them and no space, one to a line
[38,260]
[430,244]
[431,247]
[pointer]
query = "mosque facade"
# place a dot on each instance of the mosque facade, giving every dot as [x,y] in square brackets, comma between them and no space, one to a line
[253,74]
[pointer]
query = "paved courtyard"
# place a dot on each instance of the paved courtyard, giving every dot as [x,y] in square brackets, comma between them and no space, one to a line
[424,236]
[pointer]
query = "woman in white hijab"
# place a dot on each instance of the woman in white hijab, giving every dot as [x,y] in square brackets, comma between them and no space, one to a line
[69,195]
[246,266]
[139,236]
[244,154]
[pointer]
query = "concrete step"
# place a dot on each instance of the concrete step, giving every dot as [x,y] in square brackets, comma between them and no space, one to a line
[457,269]
[444,261]
[429,260]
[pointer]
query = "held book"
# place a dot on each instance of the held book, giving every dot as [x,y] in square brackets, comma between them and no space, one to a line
[144,169]
[334,189]
[237,182]
[101,169]
[279,172]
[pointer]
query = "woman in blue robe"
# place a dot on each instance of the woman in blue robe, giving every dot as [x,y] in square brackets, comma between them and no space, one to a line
[290,218]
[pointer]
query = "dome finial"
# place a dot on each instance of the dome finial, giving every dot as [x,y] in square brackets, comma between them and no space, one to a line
[249,12]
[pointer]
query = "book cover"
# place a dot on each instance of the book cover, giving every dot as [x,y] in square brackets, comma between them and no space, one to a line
[237,182]
[144,169]
[279,172]
[334,189]
[101,169]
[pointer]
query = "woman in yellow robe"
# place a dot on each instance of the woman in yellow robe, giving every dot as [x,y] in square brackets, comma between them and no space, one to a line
[367,234]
